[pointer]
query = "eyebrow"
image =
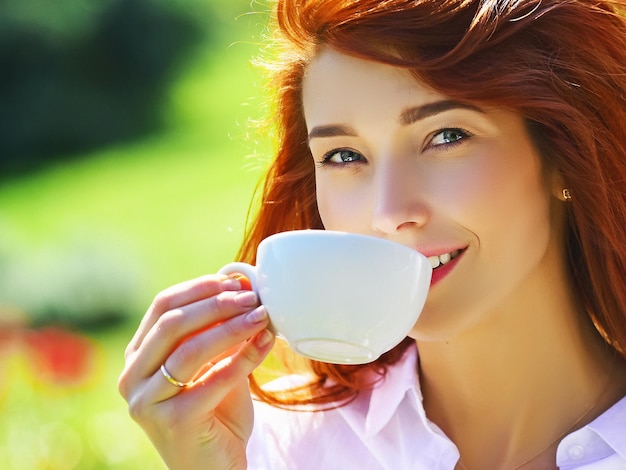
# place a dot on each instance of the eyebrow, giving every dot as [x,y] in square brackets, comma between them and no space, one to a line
[411,115]
[407,117]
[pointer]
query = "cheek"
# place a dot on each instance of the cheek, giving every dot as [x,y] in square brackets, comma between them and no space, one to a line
[493,187]
[467,192]
[341,207]
[507,206]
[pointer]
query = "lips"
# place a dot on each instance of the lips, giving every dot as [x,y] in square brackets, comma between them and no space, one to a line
[443,263]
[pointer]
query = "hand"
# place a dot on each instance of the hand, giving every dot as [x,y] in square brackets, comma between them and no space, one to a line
[212,334]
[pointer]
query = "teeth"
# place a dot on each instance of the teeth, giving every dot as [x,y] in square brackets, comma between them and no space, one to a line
[443,259]
[436,261]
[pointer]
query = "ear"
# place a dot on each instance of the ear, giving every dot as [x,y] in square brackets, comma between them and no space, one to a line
[558,188]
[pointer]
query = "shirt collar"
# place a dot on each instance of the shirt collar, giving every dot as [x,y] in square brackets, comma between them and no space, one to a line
[601,439]
[611,426]
[390,418]
[373,409]
[388,393]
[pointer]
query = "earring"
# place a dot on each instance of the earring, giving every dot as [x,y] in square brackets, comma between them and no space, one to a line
[566,195]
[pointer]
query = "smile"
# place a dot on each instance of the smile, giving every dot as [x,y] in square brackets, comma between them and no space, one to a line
[440,260]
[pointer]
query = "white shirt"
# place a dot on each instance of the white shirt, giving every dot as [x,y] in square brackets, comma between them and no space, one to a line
[387,428]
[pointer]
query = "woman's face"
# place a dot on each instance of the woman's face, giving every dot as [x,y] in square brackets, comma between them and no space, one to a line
[460,183]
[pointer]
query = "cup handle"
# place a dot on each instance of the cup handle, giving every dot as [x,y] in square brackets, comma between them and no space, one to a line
[237,267]
[246,269]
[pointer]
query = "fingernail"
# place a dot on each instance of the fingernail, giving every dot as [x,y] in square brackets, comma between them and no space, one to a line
[257,315]
[231,284]
[264,338]
[246,299]
[244,282]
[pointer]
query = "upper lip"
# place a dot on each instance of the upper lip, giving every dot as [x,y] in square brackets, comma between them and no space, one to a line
[437,251]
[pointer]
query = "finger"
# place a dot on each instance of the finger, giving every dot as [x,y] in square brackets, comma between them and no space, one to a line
[178,296]
[217,384]
[190,358]
[210,345]
[243,280]
[174,327]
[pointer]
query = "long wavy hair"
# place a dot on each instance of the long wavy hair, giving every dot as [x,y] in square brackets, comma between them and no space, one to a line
[561,64]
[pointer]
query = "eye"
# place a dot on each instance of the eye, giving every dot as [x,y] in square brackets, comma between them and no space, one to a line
[448,137]
[341,157]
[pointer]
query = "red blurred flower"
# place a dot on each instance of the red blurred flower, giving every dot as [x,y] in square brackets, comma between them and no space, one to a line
[60,355]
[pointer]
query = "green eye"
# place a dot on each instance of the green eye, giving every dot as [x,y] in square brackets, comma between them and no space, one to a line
[339,157]
[449,137]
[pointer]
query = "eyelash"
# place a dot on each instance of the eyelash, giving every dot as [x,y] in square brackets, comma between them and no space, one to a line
[464,135]
[325,160]
[461,133]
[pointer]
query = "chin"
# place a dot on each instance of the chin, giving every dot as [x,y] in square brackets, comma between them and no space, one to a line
[434,326]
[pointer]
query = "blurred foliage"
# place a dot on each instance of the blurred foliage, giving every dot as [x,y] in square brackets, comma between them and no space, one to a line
[60,409]
[77,239]
[84,283]
[91,241]
[79,74]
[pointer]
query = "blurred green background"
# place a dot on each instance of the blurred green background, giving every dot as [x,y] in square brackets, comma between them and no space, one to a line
[128,157]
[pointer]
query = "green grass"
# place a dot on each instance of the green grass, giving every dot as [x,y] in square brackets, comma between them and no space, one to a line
[173,205]
[176,200]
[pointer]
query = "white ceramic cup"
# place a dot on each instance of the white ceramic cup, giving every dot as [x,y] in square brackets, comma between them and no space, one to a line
[338,297]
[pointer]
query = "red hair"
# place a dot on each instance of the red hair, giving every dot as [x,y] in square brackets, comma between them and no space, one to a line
[561,64]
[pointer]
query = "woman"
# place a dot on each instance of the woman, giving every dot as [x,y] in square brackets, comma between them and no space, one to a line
[487,134]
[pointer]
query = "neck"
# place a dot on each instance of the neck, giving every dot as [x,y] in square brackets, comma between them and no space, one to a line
[521,380]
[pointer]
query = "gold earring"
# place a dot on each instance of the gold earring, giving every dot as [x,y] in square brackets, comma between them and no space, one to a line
[566,194]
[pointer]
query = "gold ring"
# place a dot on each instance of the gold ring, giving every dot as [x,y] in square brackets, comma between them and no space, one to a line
[172,380]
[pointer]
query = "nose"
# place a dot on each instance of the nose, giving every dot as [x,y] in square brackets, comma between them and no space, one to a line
[399,199]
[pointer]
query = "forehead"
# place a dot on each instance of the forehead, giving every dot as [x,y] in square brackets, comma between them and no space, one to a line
[337,83]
